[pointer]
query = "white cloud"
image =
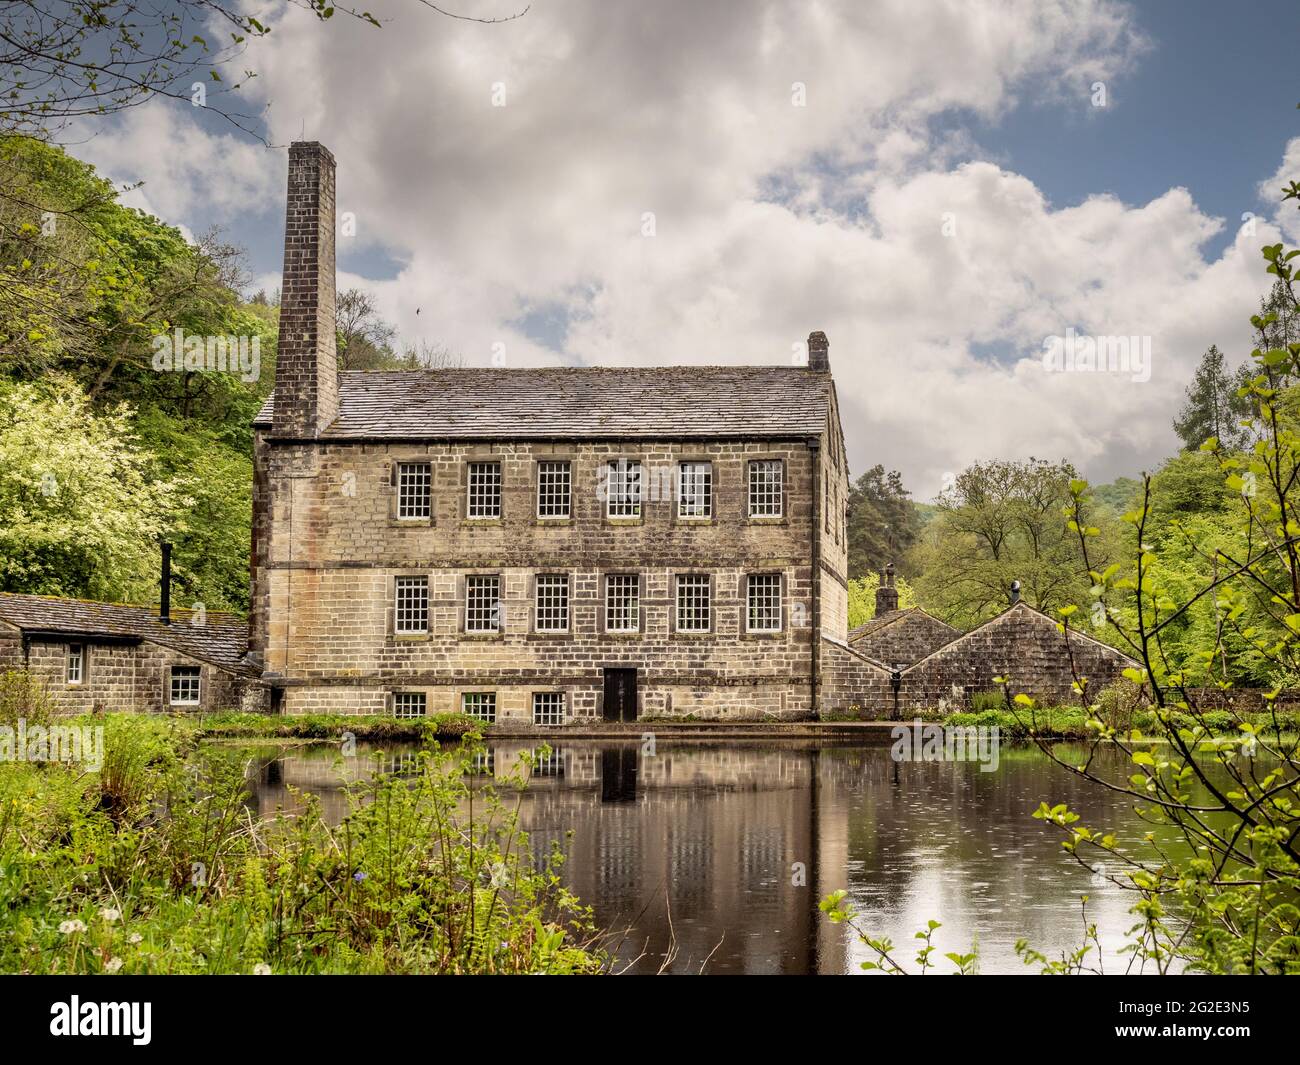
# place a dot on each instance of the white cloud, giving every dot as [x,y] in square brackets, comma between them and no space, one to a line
[771,219]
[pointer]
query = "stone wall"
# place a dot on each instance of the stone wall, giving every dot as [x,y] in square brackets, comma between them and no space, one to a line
[1021,644]
[904,639]
[329,547]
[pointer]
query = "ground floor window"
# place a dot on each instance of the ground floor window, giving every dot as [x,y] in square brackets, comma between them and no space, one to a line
[76,663]
[548,708]
[409,704]
[480,705]
[185,685]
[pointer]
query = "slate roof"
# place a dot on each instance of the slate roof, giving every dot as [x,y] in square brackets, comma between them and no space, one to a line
[874,624]
[662,402]
[222,640]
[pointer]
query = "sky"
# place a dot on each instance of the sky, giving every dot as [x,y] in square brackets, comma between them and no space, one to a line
[940,187]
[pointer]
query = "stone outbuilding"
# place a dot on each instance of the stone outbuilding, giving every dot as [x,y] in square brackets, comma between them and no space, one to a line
[870,676]
[109,656]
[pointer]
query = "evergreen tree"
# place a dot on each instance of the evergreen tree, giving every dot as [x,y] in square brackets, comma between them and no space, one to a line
[882,521]
[1213,408]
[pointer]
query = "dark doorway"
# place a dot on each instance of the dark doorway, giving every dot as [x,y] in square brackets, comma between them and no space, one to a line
[620,695]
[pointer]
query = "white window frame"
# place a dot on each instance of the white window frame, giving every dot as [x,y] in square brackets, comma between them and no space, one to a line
[623,483]
[481,706]
[409,583]
[477,475]
[191,673]
[412,701]
[694,582]
[562,469]
[551,595]
[631,606]
[771,600]
[550,700]
[474,617]
[415,478]
[76,653]
[701,477]
[760,497]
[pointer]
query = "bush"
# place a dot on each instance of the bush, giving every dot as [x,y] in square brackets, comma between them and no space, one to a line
[24,696]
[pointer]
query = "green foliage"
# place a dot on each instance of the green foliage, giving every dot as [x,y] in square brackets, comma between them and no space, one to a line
[154,865]
[80,508]
[1000,522]
[1213,407]
[449,726]
[862,597]
[23,697]
[882,521]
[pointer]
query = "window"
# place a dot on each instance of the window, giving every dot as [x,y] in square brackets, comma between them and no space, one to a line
[482,604]
[412,608]
[765,488]
[623,489]
[553,602]
[622,602]
[764,602]
[76,662]
[548,708]
[554,483]
[414,490]
[484,490]
[409,704]
[185,685]
[482,706]
[693,603]
[695,490]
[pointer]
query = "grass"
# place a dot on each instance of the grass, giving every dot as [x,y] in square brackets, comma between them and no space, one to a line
[155,863]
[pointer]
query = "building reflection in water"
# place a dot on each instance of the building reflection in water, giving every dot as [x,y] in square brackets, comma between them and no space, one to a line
[732,845]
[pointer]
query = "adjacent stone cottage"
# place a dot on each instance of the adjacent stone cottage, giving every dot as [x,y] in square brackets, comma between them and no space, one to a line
[538,545]
[106,656]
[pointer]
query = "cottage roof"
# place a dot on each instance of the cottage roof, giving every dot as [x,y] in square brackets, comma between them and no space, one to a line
[222,639]
[645,402]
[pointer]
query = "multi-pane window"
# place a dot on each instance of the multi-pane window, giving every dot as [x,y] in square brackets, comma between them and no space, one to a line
[414,490]
[482,706]
[764,602]
[482,604]
[693,602]
[548,708]
[411,611]
[623,489]
[622,602]
[695,490]
[552,602]
[76,662]
[185,685]
[484,499]
[409,704]
[554,489]
[765,488]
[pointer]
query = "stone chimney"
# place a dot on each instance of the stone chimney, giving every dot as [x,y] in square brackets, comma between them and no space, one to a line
[819,352]
[886,594]
[306,368]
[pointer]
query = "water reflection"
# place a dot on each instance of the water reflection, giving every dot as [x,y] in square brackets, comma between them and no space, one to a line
[731,846]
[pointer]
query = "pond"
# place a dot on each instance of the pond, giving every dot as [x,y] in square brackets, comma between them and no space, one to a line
[731,845]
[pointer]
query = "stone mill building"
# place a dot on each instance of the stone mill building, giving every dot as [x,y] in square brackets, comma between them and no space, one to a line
[538,545]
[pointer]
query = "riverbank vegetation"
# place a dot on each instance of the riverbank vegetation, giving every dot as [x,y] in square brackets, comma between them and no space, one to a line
[156,863]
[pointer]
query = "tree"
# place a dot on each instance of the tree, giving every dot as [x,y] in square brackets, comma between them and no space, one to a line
[66,60]
[862,597]
[882,521]
[80,512]
[1227,781]
[365,340]
[1213,407]
[1000,522]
